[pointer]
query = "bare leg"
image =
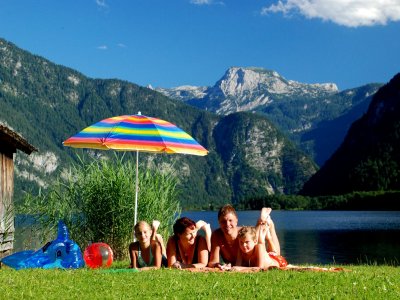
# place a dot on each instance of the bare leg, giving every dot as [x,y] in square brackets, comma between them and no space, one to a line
[207,230]
[274,237]
[265,214]
[160,240]
[265,219]
[131,255]
[157,237]
[262,222]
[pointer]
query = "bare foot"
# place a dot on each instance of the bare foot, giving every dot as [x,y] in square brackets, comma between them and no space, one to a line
[264,216]
[155,225]
[200,224]
[205,226]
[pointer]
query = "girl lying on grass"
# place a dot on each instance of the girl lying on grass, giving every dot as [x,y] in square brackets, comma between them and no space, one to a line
[252,249]
[258,247]
[253,255]
[147,252]
[187,249]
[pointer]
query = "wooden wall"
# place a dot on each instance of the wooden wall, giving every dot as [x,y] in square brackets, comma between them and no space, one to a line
[6,203]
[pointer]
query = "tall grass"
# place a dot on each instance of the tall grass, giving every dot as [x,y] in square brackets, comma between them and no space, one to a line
[97,202]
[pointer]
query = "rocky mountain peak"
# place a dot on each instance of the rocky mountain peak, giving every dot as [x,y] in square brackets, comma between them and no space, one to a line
[184,93]
[252,88]
[245,89]
[239,81]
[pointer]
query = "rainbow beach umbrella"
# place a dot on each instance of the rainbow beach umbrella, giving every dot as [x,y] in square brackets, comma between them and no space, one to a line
[136,133]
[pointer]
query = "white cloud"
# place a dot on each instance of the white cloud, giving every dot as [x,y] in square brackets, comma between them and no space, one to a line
[121,45]
[201,2]
[101,3]
[206,2]
[102,47]
[351,13]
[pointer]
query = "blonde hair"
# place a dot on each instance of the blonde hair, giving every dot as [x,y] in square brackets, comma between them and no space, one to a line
[251,230]
[140,224]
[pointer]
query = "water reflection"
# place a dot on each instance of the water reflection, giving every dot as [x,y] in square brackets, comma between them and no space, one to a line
[342,246]
[309,237]
[330,237]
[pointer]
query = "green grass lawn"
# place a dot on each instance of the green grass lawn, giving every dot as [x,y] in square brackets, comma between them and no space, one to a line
[360,282]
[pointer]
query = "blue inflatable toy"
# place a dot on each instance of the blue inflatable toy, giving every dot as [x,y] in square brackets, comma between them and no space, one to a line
[61,253]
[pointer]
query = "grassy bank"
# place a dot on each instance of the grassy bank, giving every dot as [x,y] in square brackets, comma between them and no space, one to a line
[360,282]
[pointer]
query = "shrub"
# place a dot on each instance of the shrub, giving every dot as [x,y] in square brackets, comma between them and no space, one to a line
[97,203]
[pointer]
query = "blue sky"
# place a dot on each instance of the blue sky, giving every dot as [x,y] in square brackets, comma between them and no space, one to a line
[167,43]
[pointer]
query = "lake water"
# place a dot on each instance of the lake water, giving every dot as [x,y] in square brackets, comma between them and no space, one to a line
[313,237]
[329,237]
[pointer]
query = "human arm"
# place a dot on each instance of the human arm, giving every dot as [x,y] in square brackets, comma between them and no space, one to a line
[133,255]
[157,254]
[171,252]
[239,259]
[202,253]
[215,249]
[214,261]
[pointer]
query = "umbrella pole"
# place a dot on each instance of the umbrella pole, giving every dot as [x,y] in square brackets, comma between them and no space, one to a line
[137,185]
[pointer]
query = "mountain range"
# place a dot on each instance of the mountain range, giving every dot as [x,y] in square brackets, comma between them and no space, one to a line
[263,132]
[369,157]
[47,103]
[304,112]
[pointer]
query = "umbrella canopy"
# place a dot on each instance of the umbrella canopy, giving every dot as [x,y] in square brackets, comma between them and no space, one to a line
[136,133]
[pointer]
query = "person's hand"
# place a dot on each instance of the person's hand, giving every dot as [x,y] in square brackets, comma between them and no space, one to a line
[226,267]
[177,265]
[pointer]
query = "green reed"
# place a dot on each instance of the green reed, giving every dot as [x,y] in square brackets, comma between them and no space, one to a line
[96,202]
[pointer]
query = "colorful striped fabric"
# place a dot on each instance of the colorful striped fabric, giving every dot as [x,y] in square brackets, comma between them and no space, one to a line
[138,133]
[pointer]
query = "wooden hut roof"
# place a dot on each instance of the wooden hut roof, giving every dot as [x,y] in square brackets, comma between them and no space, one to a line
[11,139]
